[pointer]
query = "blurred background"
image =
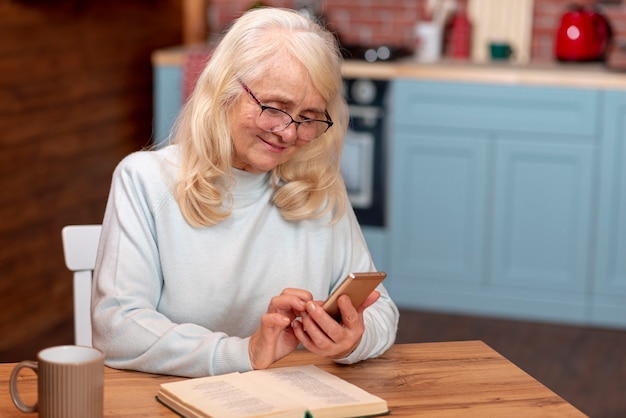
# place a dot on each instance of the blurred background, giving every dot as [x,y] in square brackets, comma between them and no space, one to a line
[77,95]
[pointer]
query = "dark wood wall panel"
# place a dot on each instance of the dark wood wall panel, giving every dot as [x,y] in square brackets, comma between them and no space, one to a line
[75,98]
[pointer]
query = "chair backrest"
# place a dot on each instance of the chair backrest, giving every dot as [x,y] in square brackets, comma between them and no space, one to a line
[80,246]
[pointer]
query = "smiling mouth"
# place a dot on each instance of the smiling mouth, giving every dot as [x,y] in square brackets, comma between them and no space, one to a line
[272,147]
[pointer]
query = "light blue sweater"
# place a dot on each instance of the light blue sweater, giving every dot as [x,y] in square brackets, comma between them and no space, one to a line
[172,299]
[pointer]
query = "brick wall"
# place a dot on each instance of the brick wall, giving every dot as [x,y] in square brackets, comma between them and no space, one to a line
[75,98]
[391,22]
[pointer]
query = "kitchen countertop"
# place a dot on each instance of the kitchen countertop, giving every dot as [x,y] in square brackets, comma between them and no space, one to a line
[582,75]
[591,75]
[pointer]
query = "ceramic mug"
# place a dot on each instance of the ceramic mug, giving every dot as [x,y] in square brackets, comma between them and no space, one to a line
[70,382]
[429,37]
[500,51]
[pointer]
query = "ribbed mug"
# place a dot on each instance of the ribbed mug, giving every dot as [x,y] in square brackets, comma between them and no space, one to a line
[70,383]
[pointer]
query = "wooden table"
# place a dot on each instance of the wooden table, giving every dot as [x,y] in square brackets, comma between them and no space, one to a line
[463,379]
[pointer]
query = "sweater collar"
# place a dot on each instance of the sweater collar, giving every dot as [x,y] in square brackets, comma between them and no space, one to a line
[249,183]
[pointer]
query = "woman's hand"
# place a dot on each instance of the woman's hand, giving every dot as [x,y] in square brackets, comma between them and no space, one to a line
[321,334]
[274,338]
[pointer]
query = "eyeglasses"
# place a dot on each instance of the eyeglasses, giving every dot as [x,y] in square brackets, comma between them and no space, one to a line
[276,120]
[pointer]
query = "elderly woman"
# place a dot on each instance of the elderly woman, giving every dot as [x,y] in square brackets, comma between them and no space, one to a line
[217,250]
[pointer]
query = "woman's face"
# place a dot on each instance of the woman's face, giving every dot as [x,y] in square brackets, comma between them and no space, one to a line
[286,87]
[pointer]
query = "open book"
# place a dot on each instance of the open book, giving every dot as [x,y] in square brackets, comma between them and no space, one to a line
[296,391]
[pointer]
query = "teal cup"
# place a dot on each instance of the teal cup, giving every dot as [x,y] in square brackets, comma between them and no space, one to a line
[500,51]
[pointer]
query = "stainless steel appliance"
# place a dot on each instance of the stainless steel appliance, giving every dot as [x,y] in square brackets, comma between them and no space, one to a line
[363,162]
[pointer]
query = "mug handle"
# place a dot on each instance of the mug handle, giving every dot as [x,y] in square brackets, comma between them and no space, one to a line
[15,396]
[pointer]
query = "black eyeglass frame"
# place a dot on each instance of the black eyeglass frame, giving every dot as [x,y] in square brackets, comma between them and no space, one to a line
[263,107]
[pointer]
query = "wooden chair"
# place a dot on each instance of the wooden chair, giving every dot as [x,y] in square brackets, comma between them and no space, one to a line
[80,245]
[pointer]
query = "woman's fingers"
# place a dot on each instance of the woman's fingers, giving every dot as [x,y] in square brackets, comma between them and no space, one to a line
[264,347]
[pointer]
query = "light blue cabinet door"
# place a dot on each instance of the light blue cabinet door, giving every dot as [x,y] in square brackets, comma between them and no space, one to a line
[541,243]
[542,210]
[168,82]
[609,290]
[439,198]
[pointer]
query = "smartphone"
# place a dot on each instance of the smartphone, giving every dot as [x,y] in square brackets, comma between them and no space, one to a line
[358,286]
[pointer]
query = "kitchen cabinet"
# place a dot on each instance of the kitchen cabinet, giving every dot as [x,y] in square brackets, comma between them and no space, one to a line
[492,198]
[507,187]
[168,98]
[608,297]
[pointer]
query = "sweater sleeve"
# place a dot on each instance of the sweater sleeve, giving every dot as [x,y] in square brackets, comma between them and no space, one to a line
[381,318]
[128,281]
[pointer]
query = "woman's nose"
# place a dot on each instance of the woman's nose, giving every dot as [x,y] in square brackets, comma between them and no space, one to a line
[289,134]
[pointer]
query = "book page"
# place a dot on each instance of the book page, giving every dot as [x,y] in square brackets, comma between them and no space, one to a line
[318,390]
[232,395]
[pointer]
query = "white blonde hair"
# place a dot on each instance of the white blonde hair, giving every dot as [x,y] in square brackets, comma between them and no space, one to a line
[309,185]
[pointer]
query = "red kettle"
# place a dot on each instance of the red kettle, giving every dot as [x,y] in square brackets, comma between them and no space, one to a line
[583,35]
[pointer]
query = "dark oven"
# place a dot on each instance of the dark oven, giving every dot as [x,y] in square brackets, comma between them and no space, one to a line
[363,162]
